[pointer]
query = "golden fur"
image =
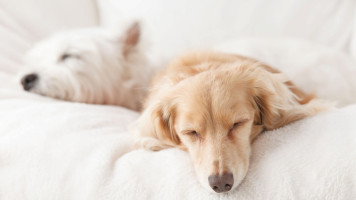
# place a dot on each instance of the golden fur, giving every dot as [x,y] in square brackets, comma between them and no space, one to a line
[213,105]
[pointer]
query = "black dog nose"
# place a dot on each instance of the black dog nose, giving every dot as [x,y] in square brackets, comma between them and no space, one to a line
[28,81]
[221,183]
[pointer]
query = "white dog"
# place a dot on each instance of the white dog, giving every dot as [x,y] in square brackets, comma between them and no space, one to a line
[90,65]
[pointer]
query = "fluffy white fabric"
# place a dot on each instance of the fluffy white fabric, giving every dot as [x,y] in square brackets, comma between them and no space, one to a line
[58,150]
[176,26]
[35,19]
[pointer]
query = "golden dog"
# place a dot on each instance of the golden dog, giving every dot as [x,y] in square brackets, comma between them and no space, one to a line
[213,105]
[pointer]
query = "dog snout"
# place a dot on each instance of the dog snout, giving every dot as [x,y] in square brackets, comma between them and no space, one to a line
[28,81]
[221,183]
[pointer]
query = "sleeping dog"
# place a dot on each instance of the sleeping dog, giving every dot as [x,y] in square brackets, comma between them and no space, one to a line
[214,105]
[91,65]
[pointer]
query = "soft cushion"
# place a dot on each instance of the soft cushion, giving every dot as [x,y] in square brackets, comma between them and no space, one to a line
[175,26]
[51,149]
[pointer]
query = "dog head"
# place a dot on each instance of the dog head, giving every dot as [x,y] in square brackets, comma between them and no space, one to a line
[87,65]
[215,115]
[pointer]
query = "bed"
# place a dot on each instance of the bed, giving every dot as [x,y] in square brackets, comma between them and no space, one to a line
[51,149]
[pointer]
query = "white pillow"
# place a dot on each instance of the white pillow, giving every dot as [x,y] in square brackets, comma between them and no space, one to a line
[175,26]
[353,38]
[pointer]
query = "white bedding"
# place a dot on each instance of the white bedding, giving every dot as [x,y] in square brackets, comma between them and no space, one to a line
[51,149]
[175,26]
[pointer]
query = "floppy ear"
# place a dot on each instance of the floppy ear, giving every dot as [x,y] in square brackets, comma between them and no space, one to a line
[156,129]
[278,102]
[131,38]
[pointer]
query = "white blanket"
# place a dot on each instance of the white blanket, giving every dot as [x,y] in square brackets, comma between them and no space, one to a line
[312,159]
[51,149]
[58,150]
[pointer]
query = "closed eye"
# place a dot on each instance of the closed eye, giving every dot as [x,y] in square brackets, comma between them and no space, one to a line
[191,133]
[237,124]
[67,56]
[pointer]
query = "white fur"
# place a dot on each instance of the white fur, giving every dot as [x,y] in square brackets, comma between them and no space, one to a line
[98,70]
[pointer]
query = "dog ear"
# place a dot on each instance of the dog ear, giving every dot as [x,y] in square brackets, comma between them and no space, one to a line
[278,102]
[156,127]
[131,38]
